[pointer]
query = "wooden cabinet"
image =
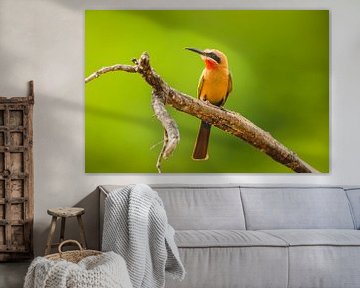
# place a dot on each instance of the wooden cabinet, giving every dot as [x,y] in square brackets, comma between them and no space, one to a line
[16,177]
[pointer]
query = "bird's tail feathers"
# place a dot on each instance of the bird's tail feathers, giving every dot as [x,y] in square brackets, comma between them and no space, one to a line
[202,142]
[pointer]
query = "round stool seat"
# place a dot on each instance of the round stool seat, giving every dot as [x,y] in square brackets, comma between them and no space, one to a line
[66,211]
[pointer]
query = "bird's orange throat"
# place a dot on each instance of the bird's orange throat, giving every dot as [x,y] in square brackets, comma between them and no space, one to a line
[210,64]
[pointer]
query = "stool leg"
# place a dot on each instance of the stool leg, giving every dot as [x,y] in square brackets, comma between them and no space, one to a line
[51,234]
[62,230]
[82,232]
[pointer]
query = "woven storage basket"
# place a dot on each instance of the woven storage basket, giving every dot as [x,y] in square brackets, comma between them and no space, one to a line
[72,256]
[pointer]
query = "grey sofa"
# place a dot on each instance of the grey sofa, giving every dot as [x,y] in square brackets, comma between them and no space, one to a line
[242,236]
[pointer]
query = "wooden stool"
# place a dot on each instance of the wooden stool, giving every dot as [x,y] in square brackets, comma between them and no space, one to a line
[64,213]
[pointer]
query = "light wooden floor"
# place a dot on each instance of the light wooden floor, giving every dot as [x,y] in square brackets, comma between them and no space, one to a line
[12,274]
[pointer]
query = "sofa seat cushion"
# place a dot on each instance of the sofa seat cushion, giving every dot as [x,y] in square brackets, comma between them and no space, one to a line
[226,238]
[317,237]
[231,258]
[322,258]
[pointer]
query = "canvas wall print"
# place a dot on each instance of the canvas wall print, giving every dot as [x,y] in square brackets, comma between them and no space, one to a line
[244,91]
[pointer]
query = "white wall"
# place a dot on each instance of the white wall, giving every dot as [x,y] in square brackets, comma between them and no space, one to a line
[43,40]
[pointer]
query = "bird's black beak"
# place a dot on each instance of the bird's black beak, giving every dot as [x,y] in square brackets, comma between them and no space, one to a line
[212,55]
[196,51]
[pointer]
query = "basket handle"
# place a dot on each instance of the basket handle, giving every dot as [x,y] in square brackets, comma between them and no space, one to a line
[69,241]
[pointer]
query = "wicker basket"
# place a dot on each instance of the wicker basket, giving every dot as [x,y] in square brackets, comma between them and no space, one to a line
[72,256]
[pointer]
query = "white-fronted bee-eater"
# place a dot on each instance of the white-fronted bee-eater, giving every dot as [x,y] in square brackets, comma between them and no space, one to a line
[214,86]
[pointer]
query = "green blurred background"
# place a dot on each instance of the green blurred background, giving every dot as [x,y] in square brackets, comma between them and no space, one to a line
[279,61]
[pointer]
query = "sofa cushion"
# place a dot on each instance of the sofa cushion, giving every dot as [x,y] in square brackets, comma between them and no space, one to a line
[354,198]
[317,237]
[220,267]
[322,258]
[191,207]
[226,238]
[296,208]
[324,266]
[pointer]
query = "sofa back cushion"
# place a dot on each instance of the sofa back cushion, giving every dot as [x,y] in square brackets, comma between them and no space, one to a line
[354,198]
[296,208]
[202,208]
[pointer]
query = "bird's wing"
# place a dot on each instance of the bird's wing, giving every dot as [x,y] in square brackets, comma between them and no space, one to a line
[229,85]
[200,85]
[229,88]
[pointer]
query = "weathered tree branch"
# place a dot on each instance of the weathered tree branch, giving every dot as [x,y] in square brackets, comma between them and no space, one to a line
[226,120]
[171,131]
[117,67]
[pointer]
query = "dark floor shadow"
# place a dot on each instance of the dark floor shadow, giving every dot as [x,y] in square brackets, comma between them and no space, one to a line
[12,275]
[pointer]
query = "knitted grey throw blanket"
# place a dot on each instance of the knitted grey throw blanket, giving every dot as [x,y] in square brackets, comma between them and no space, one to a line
[136,227]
